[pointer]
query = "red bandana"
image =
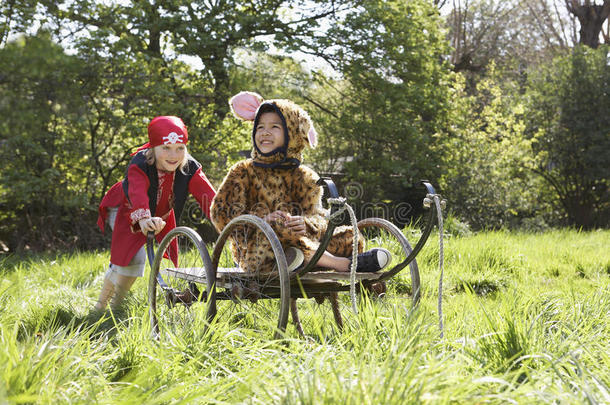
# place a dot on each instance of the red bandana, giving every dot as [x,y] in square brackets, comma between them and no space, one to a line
[165,130]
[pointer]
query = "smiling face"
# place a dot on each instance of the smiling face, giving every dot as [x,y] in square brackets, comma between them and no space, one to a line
[269,133]
[169,157]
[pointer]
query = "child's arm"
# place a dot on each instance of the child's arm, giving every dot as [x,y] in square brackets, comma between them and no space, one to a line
[203,191]
[230,200]
[137,194]
[310,196]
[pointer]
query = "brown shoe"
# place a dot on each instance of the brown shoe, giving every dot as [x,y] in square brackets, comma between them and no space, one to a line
[294,259]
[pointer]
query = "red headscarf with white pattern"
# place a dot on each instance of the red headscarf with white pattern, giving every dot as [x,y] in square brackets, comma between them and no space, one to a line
[164,130]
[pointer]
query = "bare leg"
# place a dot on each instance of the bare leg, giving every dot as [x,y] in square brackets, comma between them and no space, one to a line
[122,287]
[116,285]
[334,262]
[105,295]
[115,292]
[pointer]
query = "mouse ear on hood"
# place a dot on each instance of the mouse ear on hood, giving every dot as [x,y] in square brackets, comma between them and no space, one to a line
[312,136]
[244,105]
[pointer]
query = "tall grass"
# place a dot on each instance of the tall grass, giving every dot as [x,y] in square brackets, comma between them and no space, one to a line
[526,321]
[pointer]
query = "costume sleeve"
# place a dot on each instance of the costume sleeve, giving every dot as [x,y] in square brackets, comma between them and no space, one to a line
[231,199]
[203,191]
[310,196]
[113,198]
[137,193]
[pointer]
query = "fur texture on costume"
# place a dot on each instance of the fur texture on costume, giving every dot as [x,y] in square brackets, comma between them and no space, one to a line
[249,188]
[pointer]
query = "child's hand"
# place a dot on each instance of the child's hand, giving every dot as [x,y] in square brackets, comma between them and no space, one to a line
[276,216]
[296,224]
[155,224]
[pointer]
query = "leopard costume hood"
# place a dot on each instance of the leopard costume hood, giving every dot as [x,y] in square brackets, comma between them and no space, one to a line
[299,131]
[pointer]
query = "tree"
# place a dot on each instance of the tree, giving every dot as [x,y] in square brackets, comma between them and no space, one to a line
[79,118]
[126,69]
[15,16]
[569,128]
[387,109]
[477,33]
[41,155]
[156,35]
[591,17]
[208,31]
[486,157]
[515,34]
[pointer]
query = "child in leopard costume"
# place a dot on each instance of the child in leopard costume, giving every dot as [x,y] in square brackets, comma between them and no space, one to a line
[273,185]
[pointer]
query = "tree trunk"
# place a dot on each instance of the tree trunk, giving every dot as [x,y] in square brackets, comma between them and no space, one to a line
[591,18]
[154,24]
[580,213]
[216,63]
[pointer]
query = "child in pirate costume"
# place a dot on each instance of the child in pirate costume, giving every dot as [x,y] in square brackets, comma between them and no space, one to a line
[149,199]
[273,185]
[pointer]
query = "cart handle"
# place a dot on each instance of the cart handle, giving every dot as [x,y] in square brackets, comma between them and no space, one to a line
[332,224]
[423,238]
[150,252]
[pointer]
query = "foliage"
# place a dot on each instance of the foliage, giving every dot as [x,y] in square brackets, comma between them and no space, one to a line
[72,122]
[41,165]
[487,157]
[387,108]
[569,131]
[79,81]
[207,32]
[525,320]
[126,69]
[16,17]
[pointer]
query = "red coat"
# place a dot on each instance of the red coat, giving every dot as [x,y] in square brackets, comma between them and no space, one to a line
[135,199]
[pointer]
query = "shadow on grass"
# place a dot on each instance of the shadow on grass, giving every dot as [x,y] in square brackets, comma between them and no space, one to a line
[52,319]
[481,288]
[13,262]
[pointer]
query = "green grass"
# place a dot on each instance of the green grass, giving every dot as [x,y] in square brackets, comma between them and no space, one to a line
[526,320]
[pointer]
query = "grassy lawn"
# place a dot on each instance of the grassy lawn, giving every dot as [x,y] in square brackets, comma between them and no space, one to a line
[526,320]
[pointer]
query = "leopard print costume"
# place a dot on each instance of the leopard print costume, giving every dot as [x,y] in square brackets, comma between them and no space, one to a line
[264,184]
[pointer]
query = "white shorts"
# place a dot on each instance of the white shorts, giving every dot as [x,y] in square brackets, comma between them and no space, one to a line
[136,265]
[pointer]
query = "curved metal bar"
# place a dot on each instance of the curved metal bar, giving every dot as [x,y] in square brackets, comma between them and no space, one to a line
[278,252]
[150,251]
[332,190]
[332,225]
[333,194]
[261,225]
[170,292]
[406,248]
[422,240]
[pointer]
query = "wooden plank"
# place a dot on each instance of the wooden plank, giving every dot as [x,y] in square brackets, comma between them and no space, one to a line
[338,275]
[194,274]
[197,274]
[231,270]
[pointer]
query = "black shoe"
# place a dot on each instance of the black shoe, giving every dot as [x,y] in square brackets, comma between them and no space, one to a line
[373,260]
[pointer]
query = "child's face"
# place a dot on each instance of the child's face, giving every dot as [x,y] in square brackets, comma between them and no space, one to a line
[269,133]
[168,157]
